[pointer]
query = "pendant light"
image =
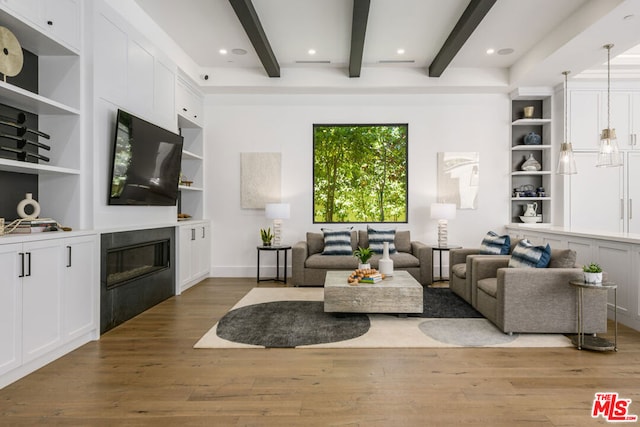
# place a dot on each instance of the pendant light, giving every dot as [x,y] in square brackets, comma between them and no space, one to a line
[566,162]
[608,155]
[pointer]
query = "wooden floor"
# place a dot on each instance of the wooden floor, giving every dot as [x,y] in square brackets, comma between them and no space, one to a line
[146,372]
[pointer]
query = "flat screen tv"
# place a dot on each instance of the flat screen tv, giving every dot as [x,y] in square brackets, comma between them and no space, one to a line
[145,166]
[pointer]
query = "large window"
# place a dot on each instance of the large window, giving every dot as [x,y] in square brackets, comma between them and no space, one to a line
[360,173]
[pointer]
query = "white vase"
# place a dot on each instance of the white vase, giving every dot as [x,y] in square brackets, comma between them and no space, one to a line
[366,266]
[28,201]
[593,278]
[385,265]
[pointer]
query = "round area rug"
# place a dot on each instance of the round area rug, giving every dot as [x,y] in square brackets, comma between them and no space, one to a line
[289,324]
[465,332]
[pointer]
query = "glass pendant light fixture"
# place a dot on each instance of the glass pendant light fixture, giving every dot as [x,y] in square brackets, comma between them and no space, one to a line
[566,162]
[608,155]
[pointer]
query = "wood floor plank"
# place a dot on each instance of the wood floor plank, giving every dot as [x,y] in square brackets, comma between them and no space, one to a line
[146,372]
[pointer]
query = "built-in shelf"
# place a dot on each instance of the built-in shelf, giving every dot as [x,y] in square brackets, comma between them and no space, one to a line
[530,122]
[525,173]
[35,168]
[190,188]
[530,147]
[24,100]
[186,122]
[526,199]
[186,155]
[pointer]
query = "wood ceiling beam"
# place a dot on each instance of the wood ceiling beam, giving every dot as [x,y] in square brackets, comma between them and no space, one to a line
[468,22]
[358,30]
[249,19]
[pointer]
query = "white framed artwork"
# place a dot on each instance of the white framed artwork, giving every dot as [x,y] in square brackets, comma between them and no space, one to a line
[259,179]
[459,178]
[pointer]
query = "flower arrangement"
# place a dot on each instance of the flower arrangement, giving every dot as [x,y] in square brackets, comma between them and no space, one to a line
[266,236]
[592,273]
[363,254]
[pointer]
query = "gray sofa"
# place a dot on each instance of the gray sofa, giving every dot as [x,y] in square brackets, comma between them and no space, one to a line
[535,300]
[309,265]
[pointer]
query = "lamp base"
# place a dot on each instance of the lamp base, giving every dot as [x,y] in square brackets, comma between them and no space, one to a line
[277,231]
[442,233]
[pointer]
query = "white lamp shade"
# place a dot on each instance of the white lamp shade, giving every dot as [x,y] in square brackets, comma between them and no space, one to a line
[277,210]
[443,211]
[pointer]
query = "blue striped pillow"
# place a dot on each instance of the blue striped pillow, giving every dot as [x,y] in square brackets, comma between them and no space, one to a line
[337,242]
[525,255]
[378,237]
[492,244]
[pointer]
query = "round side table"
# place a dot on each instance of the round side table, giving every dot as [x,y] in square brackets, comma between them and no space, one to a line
[441,249]
[277,249]
[590,342]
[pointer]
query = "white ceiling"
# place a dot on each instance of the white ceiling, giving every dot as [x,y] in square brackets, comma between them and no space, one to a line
[547,37]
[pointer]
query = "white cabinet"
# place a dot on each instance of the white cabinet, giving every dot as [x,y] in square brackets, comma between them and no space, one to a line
[194,254]
[47,300]
[79,286]
[59,19]
[10,309]
[188,102]
[584,119]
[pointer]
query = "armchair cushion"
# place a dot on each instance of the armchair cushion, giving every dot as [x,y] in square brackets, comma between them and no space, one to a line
[459,270]
[527,255]
[315,242]
[493,244]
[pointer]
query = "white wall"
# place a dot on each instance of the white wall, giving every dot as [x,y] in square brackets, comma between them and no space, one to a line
[283,123]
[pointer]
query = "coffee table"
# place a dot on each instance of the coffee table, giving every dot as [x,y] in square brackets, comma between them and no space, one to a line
[398,294]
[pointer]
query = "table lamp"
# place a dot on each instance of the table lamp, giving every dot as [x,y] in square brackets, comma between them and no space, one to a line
[443,212]
[277,212]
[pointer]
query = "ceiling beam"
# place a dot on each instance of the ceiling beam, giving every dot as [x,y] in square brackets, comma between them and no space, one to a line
[468,22]
[358,30]
[249,19]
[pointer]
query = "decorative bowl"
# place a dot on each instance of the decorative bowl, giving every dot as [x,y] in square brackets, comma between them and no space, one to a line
[531,219]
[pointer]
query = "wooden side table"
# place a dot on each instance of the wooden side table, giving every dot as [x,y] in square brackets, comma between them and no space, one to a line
[440,249]
[592,342]
[277,249]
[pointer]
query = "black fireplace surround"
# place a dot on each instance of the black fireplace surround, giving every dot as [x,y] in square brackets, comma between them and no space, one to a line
[137,272]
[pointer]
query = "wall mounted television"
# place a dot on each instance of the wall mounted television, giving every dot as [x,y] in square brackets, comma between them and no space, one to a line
[145,166]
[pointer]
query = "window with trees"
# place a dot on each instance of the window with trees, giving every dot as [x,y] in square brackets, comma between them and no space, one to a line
[360,173]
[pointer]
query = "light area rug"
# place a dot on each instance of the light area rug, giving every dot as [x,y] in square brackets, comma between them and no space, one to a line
[390,331]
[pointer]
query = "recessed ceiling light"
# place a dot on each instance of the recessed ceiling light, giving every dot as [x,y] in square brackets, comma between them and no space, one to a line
[400,51]
[238,51]
[505,51]
[491,51]
[223,51]
[311,51]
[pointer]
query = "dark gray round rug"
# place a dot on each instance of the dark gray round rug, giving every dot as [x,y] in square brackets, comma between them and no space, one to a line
[287,324]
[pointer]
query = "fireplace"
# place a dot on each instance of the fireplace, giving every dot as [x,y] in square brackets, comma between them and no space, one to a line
[137,272]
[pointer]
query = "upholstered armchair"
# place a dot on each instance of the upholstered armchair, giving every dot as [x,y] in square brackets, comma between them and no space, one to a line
[535,300]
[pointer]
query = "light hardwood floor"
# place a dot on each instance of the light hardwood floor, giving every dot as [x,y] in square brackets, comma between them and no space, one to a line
[146,372]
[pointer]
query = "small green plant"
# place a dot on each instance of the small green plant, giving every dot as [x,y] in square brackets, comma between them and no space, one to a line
[363,254]
[266,236]
[592,268]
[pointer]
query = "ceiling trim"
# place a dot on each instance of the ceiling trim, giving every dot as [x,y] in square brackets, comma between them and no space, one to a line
[249,19]
[358,30]
[468,22]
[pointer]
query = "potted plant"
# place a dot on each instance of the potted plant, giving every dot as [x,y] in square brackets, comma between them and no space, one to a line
[266,236]
[364,255]
[592,273]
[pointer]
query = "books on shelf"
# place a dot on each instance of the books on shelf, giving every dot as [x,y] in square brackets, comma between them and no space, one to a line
[34,226]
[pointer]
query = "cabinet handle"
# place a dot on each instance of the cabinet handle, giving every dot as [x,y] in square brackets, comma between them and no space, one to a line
[21,264]
[28,264]
[184,109]
[68,256]
[203,232]
[621,208]
[193,234]
[630,208]
[50,23]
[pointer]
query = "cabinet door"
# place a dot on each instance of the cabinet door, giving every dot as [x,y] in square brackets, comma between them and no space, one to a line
[584,119]
[633,192]
[27,9]
[10,308]
[620,116]
[203,250]
[604,211]
[184,255]
[62,18]
[164,99]
[635,119]
[41,298]
[79,286]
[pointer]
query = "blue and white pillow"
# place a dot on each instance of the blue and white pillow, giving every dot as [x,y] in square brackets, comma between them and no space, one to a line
[526,255]
[337,242]
[378,237]
[492,244]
